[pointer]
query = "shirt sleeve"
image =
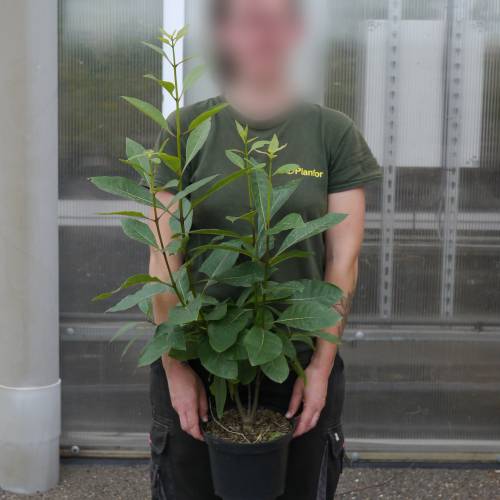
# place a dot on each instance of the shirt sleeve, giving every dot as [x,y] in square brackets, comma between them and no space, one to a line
[352,164]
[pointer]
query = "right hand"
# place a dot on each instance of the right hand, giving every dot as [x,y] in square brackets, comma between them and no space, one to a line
[188,396]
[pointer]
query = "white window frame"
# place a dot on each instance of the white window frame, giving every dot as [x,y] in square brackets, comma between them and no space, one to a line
[174,18]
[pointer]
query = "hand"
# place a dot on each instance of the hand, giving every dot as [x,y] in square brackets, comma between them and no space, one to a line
[312,395]
[188,396]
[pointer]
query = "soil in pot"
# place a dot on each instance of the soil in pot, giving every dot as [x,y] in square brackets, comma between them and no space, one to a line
[269,425]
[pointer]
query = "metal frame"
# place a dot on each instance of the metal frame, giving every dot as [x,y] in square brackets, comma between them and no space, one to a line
[395,9]
[451,160]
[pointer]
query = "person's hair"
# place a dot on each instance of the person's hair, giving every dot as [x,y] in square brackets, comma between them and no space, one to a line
[220,8]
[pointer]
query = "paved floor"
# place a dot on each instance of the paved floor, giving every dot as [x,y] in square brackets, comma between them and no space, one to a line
[130,482]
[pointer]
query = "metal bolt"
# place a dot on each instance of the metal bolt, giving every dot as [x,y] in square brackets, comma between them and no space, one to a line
[359,335]
[75,449]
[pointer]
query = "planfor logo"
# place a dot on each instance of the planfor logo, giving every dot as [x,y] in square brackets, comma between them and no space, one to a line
[296,170]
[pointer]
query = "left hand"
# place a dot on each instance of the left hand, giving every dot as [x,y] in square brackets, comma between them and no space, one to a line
[312,395]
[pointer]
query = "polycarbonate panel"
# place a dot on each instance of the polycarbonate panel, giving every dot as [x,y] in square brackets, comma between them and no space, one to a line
[100,59]
[421,79]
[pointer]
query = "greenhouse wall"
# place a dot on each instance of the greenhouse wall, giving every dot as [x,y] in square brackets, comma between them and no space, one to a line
[422,80]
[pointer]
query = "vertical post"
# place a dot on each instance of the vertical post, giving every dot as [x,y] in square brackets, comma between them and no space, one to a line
[453,125]
[390,155]
[174,18]
[29,356]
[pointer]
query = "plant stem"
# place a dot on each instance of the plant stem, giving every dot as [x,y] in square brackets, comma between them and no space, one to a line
[162,244]
[178,135]
[240,408]
[256,395]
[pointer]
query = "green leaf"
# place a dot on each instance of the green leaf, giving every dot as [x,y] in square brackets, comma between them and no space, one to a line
[290,221]
[168,86]
[175,338]
[317,291]
[238,351]
[172,162]
[153,351]
[219,246]
[218,388]
[206,115]
[157,49]
[277,369]
[277,291]
[196,140]
[123,330]
[217,313]
[180,315]
[329,337]
[303,338]
[217,363]
[309,316]
[191,188]
[146,307]
[244,275]
[218,185]
[281,194]
[286,169]
[274,144]
[235,159]
[125,188]
[260,190]
[246,372]
[310,229]
[247,217]
[245,294]
[224,333]
[221,232]
[147,291]
[139,231]
[262,346]
[149,110]
[192,77]
[181,33]
[292,254]
[220,261]
[288,348]
[138,279]
[181,279]
[139,215]
[258,145]
[164,341]
[242,131]
[136,155]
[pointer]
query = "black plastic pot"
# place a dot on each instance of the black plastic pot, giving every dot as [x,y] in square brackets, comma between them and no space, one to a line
[248,471]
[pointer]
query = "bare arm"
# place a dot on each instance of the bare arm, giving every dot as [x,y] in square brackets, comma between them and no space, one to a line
[187,392]
[343,245]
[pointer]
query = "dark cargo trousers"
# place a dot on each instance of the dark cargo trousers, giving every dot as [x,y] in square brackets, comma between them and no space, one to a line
[180,468]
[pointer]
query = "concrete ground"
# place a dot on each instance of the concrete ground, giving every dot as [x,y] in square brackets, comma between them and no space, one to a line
[129,481]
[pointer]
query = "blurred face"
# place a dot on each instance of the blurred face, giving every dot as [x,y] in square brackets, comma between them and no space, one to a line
[257,38]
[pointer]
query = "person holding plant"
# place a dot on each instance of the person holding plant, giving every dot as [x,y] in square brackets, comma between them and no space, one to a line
[254,40]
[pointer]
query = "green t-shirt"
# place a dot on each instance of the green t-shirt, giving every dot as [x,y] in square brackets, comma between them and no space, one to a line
[330,150]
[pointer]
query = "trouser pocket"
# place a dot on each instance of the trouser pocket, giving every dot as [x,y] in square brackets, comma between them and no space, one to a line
[337,452]
[162,487]
[332,464]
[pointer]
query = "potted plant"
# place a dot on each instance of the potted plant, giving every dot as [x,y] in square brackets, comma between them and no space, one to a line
[253,333]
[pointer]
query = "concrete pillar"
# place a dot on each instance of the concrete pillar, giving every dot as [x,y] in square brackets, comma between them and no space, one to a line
[29,343]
